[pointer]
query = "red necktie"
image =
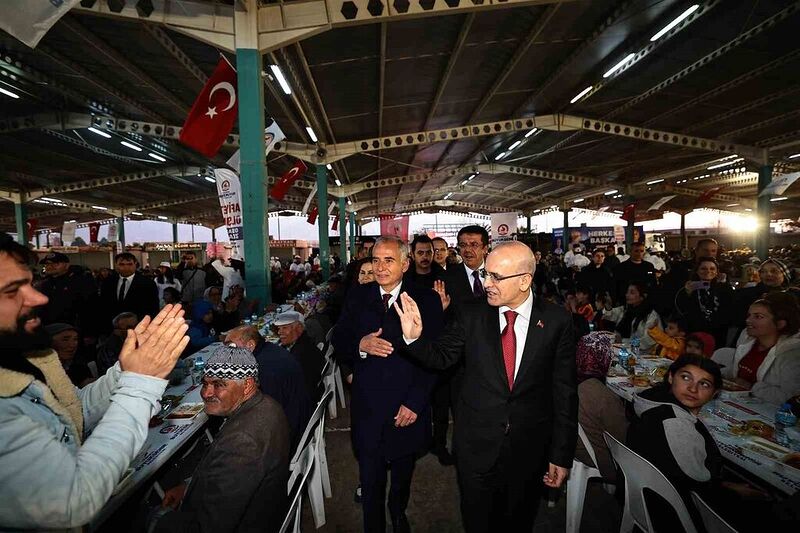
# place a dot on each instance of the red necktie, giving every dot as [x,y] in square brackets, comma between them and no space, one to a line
[386,297]
[509,341]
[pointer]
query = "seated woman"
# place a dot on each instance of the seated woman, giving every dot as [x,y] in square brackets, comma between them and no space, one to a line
[201,333]
[767,357]
[773,275]
[706,303]
[635,318]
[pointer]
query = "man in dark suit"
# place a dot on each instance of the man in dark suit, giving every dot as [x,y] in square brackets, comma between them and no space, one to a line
[127,290]
[518,405]
[280,377]
[390,396]
[424,271]
[293,337]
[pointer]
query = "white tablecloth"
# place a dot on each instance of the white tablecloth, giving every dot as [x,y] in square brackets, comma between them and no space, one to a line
[717,415]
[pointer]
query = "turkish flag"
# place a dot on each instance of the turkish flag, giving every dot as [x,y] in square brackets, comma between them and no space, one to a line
[335,226]
[312,215]
[94,229]
[33,225]
[629,213]
[396,226]
[706,196]
[280,189]
[213,113]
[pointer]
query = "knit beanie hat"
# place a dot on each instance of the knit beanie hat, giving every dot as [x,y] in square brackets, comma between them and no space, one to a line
[231,362]
[787,274]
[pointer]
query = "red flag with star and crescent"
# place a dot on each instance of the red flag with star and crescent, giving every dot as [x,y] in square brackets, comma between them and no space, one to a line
[214,112]
[283,185]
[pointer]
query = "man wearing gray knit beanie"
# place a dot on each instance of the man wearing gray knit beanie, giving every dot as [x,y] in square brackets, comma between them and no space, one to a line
[240,481]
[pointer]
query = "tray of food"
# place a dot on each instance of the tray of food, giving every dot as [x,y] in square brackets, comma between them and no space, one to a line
[778,456]
[184,414]
[753,428]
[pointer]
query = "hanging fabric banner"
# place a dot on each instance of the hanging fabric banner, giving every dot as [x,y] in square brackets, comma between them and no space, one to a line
[396,226]
[94,230]
[661,202]
[68,232]
[283,185]
[312,215]
[229,190]
[504,226]
[112,233]
[779,185]
[30,20]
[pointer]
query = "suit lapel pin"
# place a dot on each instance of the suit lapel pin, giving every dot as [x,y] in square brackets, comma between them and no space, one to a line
[540,324]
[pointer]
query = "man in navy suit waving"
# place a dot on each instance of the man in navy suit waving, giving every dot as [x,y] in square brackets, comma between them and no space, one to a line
[391,395]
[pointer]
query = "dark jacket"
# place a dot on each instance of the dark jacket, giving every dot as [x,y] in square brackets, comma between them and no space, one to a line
[540,414]
[457,286]
[240,484]
[140,298]
[382,384]
[424,280]
[71,300]
[628,271]
[599,280]
[281,378]
[708,310]
[744,298]
[312,362]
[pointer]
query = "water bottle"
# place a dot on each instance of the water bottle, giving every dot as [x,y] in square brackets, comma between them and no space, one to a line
[623,358]
[197,370]
[591,327]
[784,417]
[635,346]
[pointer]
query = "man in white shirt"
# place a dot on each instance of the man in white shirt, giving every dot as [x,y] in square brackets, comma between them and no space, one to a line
[297,265]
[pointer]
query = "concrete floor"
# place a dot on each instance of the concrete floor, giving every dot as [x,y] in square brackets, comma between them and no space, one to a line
[434,505]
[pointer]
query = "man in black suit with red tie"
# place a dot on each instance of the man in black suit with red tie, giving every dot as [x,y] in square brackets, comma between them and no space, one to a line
[517,416]
[390,396]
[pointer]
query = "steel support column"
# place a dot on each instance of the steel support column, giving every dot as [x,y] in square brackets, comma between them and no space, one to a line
[253,161]
[565,233]
[21,218]
[322,220]
[763,212]
[684,241]
[629,227]
[175,255]
[121,229]
[352,235]
[342,232]
[529,224]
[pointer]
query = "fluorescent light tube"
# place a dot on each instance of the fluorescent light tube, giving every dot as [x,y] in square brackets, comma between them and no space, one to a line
[674,23]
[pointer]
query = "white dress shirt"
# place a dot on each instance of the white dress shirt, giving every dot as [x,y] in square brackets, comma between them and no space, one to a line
[471,279]
[127,285]
[395,295]
[521,325]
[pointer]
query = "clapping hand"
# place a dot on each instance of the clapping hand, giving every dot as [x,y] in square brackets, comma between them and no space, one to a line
[439,287]
[410,318]
[153,346]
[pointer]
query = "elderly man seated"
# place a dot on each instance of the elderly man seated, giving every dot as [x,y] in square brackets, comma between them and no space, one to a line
[280,376]
[240,482]
[291,330]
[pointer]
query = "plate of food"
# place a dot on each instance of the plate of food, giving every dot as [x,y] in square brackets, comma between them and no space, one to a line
[753,428]
[185,413]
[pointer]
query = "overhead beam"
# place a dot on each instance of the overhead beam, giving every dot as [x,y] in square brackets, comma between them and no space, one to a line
[285,23]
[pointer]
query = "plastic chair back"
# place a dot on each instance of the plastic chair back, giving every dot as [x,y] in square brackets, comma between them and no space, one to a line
[305,459]
[576,485]
[640,474]
[724,356]
[713,522]
[308,433]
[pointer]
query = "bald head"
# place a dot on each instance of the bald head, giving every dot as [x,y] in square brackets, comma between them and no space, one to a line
[246,337]
[510,268]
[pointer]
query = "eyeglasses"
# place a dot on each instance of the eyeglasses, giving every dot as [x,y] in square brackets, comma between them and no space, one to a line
[472,245]
[497,277]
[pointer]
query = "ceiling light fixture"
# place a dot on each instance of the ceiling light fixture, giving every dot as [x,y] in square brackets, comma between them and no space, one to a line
[162,217]
[619,65]
[100,207]
[609,193]
[447,196]
[8,93]
[157,157]
[674,23]
[731,205]
[653,182]
[499,156]
[794,156]
[210,179]
[338,183]
[577,201]
[779,199]
[101,133]
[276,71]
[311,134]
[747,209]
[329,167]
[514,145]
[725,164]
[581,94]
[531,132]
[131,146]
[136,213]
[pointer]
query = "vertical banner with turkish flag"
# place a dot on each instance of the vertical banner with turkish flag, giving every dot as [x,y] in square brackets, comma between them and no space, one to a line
[214,112]
[229,189]
[396,226]
[283,185]
[335,226]
[94,230]
[33,225]
[312,215]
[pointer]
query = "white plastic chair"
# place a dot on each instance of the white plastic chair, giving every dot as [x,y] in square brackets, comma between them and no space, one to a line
[640,474]
[713,522]
[576,484]
[313,439]
[724,356]
[295,512]
[332,377]
[92,365]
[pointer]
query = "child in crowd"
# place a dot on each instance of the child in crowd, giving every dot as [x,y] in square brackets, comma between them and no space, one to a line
[700,343]
[583,302]
[671,342]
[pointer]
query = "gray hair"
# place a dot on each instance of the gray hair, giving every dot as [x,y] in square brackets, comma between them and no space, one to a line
[402,246]
[122,316]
